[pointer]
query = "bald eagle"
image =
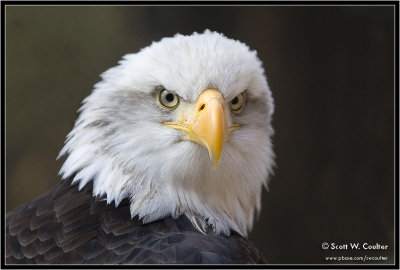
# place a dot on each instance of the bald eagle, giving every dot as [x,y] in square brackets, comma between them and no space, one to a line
[165,163]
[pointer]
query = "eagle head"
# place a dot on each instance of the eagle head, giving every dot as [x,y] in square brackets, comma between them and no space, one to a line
[181,127]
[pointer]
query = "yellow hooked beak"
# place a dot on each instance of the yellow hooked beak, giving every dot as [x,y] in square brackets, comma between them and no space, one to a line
[206,123]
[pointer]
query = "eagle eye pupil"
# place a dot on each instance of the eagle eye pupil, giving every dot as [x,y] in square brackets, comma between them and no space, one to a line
[235,100]
[169,97]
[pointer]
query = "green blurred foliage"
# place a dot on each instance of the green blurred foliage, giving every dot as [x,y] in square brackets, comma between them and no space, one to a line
[331,73]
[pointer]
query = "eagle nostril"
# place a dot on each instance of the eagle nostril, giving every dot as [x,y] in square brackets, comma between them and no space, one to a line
[202,107]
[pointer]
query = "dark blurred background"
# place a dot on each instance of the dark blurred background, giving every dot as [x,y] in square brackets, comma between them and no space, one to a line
[331,70]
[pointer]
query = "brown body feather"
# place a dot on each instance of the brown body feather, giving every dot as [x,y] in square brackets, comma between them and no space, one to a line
[67,226]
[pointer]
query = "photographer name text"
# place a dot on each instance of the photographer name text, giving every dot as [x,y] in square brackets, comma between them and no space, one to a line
[347,246]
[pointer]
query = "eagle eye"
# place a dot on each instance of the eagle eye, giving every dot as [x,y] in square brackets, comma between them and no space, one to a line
[237,103]
[167,99]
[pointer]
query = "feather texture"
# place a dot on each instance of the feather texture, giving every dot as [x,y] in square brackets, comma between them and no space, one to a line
[68,226]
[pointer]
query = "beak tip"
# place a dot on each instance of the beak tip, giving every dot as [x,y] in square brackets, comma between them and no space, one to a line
[215,165]
[215,159]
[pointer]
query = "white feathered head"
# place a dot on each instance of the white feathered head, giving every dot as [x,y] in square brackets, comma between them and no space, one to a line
[181,127]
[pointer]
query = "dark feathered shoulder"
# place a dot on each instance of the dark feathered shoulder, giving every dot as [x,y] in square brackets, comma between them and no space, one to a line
[68,226]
